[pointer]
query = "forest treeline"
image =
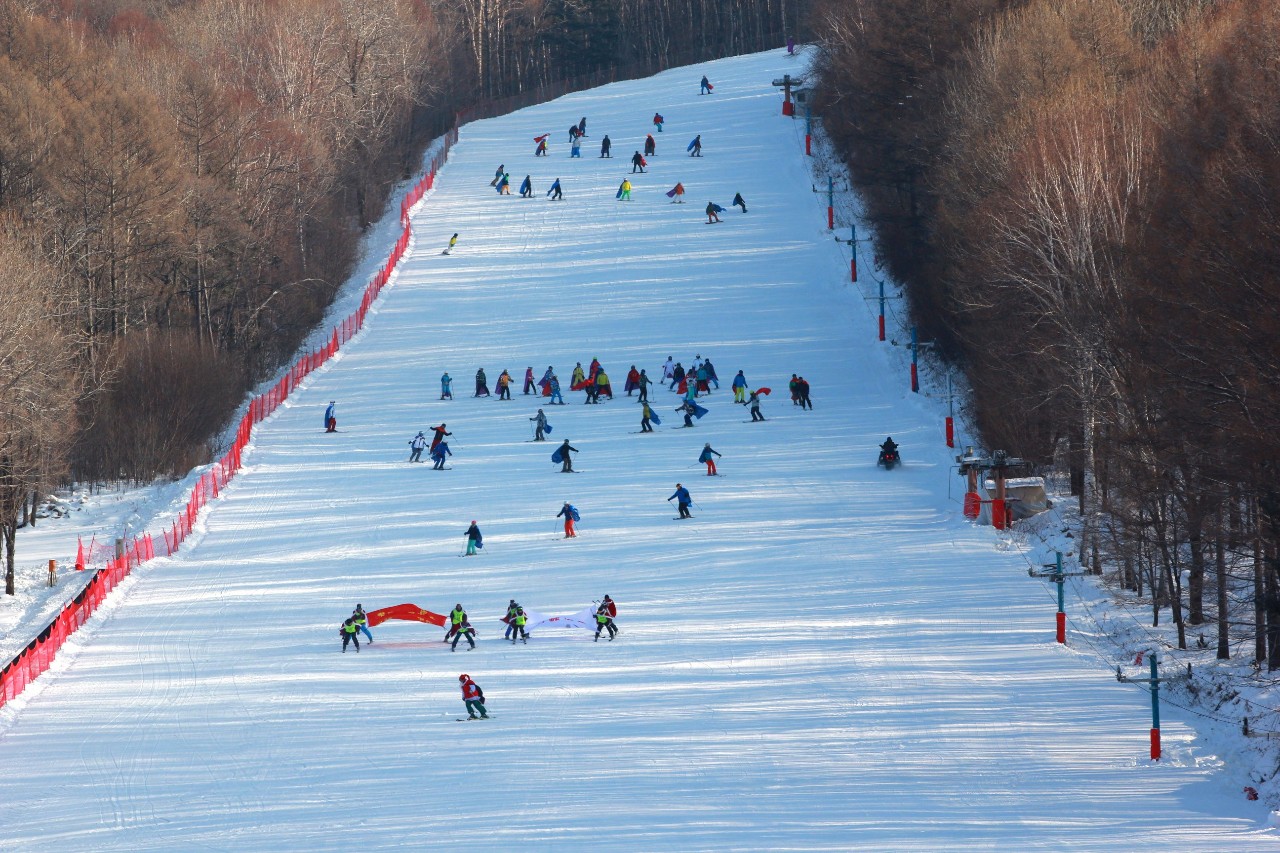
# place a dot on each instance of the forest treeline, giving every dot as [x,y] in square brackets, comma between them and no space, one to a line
[183,184]
[1082,200]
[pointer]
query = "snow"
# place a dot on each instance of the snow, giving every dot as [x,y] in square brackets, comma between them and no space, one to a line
[827,657]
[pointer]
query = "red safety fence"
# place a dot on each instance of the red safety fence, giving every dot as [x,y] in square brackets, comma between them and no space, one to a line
[127,555]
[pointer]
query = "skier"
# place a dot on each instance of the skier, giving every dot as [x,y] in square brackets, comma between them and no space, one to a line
[737,200]
[541,150]
[453,241]
[604,621]
[554,192]
[566,462]
[570,513]
[650,147]
[739,388]
[713,212]
[473,696]
[688,408]
[359,617]
[633,380]
[612,608]
[705,456]
[637,163]
[682,499]
[794,387]
[646,414]
[446,386]
[526,188]
[658,121]
[711,373]
[677,376]
[576,150]
[556,399]
[668,369]
[497,176]
[416,447]
[605,145]
[465,631]
[624,190]
[602,385]
[456,617]
[528,380]
[518,624]
[582,126]
[438,453]
[695,147]
[504,184]
[704,379]
[577,376]
[474,539]
[510,619]
[504,385]
[803,387]
[706,86]
[573,133]
[754,402]
[643,382]
[540,426]
[348,632]
[330,419]
[676,193]
[482,384]
[439,433]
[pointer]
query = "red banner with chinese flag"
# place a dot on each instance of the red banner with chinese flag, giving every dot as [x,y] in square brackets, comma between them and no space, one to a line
[407,612]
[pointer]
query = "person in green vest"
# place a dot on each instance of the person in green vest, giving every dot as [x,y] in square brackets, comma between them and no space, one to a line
[456,617]
[517,625]
[510,620]
[348,633]
[605,622]
[362,621]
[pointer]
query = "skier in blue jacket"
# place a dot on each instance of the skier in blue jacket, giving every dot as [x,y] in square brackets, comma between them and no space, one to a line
[438,453]
[682,499]
[446,387]
[330,419]
[707,452]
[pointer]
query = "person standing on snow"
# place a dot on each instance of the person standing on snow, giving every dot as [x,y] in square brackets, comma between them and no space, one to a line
[705,456]
[526,187]
[688,408]
[704,379]
[570,514]
[637,163]
[504,385]
[539,426]
[456,617]
[668,369]
[528,380]
[556,399]
[605,145]
[510,619]
[573,133]
[453,241]
[737,200]
[582,127]
[793,385]
[633,380]
[602,385]
[650,147]
[555,192]
[754,402]
[348,632]
[446,386]
[566,462]
[739,388]
[416,447]
[705,86]
[645,414]
[331,418]
[713,212]
[711,373]
[518,624]
[497,176]
[541,150]
[677,376]
[658,121]
[465,631]
[438,435]
[643,382]
[576,149]
[473,697]
[604,622]
[802,387]
[504,184]
[695,147]
[682,499]
[676,193]
[361,619]
[482,384]
[474,539]
[438,453]
[624,190]
[578,374]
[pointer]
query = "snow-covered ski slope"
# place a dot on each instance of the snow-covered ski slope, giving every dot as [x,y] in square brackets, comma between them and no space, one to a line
[827,657]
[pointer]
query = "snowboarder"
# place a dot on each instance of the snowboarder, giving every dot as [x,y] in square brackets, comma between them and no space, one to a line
[526,187]
[446,387]
[453,241]
[646,415]
[465,631]
[517,625]
[570,514]
[658,121]
[438,435]
[438,453]
[539,426]
[650,147]
[554,192]
[504,385]
[348,632]
[739,388]
[624,190]
[676,193]
[604,622]
[705,456]
[473,696]
[637,163]
[330,418]
[754,402]
[737,200]
[802,387]
[643,382]
[556,399]
[566,462]
[474,539]
[504,184]
[456,617]
[361,619]
[529,384]
[713,212]
[482,384]
[541,150]
[416,446]
[497,176]
[682,499]
[695,147]
[705,87]
[605,145]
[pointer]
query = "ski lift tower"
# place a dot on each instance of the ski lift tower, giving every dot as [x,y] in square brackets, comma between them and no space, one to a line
[787,82]
[999,463]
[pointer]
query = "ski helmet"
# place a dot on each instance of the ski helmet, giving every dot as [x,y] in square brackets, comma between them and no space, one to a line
[463,677]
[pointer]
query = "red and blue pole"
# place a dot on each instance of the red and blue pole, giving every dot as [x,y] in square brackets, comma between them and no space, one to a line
[915,357]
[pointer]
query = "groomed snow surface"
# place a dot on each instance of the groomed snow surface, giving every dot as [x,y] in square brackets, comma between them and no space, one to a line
[827,657]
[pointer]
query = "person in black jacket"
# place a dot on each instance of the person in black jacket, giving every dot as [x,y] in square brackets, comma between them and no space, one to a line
[605,145]
[566,462]
[637,163]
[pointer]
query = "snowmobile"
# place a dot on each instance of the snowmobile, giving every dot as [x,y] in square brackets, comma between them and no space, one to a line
[889,457]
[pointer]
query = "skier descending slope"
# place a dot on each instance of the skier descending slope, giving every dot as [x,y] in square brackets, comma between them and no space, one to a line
[330,418]
[604,622]
[539,426]
[465,632]
[474,539]
[683,500]
[562,456]
[438,453]
[473,697]
[570,514]
[416,446]
[707,452]
[348,634]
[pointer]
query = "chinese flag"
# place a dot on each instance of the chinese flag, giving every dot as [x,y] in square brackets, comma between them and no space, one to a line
[407,612]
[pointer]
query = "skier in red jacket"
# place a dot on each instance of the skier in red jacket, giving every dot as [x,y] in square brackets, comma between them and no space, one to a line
[473,696]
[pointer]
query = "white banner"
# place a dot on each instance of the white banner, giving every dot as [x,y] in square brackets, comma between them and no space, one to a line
[585,618]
